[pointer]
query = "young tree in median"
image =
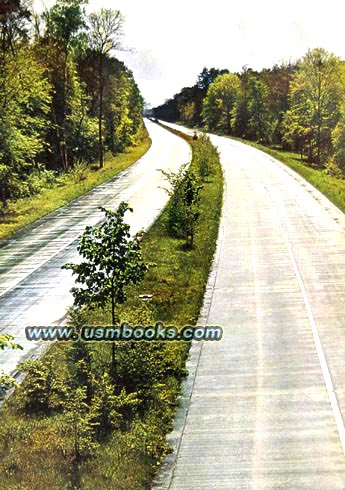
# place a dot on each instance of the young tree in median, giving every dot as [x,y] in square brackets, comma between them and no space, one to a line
[184,205]
[111,262]
[105,30]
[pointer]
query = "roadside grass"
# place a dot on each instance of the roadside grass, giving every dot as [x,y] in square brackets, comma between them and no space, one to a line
[66,188]
[35,451]
[330,186]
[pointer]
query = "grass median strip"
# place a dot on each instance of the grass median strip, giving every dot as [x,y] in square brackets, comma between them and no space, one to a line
[90,431]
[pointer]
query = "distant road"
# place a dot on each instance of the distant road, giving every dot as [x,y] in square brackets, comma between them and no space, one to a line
[268,401]
[33,288]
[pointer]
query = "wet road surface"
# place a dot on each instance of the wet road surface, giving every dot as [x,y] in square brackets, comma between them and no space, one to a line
[33,288]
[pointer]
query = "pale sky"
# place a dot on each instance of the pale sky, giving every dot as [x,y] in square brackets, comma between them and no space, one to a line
[173,40]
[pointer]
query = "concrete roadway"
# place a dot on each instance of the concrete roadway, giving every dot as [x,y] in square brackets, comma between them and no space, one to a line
[33,288]
[264,407]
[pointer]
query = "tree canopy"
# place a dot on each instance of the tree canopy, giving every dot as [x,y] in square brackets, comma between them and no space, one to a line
[297,105]
[64,98]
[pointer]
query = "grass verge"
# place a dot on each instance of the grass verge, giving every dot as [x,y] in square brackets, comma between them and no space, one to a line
[67,188]
[42,429]
[331,187]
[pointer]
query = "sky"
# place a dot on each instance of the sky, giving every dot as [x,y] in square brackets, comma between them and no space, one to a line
[170,42]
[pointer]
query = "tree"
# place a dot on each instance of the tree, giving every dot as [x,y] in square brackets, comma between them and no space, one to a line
[241,121]
[278,81]
[336,163]
[259,115]
[205,155]
[80,425]
[14,17]
[112,261]
[219,108]
[184,203]
[112,409]
[105,30]
[25,95]
[208,76]
[64,25]
[42,388]
[314,101]
[123,109]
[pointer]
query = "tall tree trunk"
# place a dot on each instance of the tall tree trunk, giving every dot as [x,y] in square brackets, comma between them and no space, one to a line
[113,323]
[62,141]
[100,116]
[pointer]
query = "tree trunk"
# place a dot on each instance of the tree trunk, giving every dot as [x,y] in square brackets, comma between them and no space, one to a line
[62,138]
[113,362]
[100,116]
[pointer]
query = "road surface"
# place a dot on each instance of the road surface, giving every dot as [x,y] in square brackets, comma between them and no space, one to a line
[264,407]
[33,288]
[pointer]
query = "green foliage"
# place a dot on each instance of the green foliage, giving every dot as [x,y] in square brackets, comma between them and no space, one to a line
[112,409]
[123,112]
[105,29]
[112,261]
[184,203]
[7,382]
[336,165]
[105,431]
[7,341]
[205,155]
[260,125]
[64,22]
[42,389]
[25,98]
[328,184]
[81,129]
[294,105]
[14,24]
[314,97]
[79,425]
[59,190]
[50,118]
[219,107]
[186,106]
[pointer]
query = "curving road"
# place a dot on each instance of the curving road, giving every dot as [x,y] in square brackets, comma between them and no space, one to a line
[33,288]
[264,407]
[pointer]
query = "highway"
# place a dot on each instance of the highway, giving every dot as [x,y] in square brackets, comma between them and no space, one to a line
[263,409]
[33,288]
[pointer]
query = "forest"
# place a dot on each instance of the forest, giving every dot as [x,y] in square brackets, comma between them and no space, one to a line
[299,106]
[65,100]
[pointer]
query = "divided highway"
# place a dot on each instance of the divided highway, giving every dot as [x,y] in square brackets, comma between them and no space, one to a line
[264,407]
[33,288]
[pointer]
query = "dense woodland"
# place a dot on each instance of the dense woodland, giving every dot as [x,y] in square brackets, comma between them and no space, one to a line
[299,106]
[65,100]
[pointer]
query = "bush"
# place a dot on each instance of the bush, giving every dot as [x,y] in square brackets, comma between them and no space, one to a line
[206,156]
[183,207]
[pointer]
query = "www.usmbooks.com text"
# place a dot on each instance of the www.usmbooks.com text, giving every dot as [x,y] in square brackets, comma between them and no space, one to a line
[157,332]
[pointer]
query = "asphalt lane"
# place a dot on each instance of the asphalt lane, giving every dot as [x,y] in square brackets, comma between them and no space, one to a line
[33,288]
[267,402]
